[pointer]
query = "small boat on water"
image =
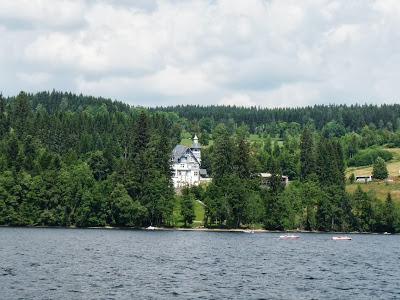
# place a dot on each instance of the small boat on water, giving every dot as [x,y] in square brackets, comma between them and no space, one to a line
[248,231]
[289,237]
[151,228]
[386,233]
[341,238]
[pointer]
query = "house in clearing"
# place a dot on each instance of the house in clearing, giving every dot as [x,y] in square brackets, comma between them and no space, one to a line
[186,165]
[363,178]
[266,178]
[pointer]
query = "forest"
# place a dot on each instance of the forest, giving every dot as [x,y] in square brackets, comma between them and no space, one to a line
[74,160]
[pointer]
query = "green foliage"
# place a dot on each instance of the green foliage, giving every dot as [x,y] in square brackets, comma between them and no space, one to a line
[333,129]
[352,178]
[362,210]
[330,163]
[187,207]
[72,160]
[255,209]
[222,159]
[307,155]
[390,216]
[368,157]
[379,170]
[124,210]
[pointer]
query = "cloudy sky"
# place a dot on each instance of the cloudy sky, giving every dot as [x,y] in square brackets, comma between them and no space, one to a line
[244,52]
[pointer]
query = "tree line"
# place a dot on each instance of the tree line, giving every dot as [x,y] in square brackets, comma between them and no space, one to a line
[349,117]
[316,198]
[73,160]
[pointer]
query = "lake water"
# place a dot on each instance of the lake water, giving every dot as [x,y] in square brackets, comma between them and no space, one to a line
[126,264]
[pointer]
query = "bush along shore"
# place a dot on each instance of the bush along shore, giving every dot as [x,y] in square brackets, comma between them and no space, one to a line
[71,160]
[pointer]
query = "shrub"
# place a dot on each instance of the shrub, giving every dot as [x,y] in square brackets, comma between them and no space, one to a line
[368,157]
[352,178]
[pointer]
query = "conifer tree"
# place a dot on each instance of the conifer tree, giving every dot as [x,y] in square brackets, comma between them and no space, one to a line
[242,153]
[21,113]
[362,210]
[307,156]
[222,160]
[390,215]
[275,207]
[268,145]
[142,132]
[379,170]
[3,118]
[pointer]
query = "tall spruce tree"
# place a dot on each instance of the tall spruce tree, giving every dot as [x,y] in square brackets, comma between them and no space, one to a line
[362,210]
[223,149]
[274,206]
[330,163]
[307,155]
[390,215]
[21,114]
[242,153]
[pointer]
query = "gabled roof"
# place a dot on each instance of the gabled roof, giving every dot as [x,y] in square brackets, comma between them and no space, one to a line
[180,151]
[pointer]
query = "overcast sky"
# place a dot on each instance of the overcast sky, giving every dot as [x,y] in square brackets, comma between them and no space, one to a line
[243,52]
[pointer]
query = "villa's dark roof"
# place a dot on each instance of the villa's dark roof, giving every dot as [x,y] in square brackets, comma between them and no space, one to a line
[178,152]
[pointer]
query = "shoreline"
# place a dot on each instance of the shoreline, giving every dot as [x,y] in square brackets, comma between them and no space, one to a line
[199,229]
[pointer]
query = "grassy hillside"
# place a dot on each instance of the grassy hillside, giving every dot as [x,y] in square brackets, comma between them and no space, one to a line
[393,166]
[380,188]
[198,211]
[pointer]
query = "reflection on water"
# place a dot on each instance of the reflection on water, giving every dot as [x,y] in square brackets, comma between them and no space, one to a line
[125,264]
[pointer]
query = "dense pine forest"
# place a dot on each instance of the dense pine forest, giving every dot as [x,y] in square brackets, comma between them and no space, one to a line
[73,160]
[352,118]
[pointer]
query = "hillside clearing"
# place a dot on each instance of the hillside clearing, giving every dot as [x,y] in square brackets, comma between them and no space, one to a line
[379,189]
[198,211]
[393,166]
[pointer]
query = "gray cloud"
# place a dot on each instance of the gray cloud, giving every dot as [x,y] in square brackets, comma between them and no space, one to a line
[255,52]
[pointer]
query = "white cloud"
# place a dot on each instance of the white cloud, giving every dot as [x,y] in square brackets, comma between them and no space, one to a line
[39,13]
[255,52]
[34,78]
[295,94]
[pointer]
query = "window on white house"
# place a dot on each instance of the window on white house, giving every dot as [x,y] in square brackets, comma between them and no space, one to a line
[182,165]
[196,173]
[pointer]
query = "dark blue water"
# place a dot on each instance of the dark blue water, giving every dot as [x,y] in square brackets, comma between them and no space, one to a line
[125,264]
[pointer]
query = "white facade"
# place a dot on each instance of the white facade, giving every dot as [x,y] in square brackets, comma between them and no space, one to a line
[186,165]
[363,178]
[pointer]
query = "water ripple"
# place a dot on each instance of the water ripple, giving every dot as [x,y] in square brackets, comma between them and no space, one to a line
[112,264]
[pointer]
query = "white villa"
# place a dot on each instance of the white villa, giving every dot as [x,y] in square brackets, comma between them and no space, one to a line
[186,165]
